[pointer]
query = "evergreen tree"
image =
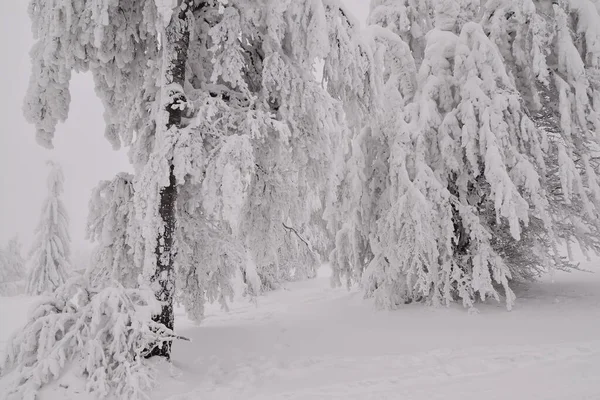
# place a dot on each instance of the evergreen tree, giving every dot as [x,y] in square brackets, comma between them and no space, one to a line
[552,52]
[52,245]
[229,132]
[481,165]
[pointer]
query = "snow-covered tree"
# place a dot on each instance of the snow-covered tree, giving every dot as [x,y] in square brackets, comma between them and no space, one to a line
[480,166]
[51,249]
[101,335]
[12,268]
[552,53]
[113,225]
[409,19]
[362,165]
[230,134]
[267,155]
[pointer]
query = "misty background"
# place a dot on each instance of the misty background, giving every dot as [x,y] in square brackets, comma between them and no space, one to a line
[79,144]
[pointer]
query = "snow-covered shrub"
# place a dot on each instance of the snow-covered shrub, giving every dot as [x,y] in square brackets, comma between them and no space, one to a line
[101,335]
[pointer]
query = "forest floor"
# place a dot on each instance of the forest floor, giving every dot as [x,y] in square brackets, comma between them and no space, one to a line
[308,341]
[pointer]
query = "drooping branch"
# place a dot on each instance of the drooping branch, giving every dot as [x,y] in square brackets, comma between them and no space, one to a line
[290,229]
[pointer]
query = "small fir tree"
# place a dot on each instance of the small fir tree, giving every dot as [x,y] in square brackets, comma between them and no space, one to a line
[51,248]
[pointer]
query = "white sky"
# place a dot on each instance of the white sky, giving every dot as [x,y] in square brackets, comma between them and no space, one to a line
[79,144]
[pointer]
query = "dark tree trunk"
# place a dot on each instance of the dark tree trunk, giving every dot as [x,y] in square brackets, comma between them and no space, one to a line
[165,274]
[176,42]
[463,240]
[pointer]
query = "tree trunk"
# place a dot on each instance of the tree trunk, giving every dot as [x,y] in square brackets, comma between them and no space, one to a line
[176,43]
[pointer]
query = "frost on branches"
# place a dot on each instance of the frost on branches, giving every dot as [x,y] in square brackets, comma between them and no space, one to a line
[554,58]
[483,164]
[231,137]
[12,269]
[409,19]
[51,248]
[100,335]
[264,133]
[113,225]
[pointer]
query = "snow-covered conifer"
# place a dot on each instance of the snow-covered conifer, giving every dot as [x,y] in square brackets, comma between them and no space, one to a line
[229,132]
[52,245]
[487,167]
[551,50]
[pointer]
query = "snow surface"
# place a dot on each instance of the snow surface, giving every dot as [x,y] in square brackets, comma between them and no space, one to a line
[309,341]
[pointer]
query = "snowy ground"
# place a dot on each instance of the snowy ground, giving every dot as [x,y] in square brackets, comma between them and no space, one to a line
[312,342]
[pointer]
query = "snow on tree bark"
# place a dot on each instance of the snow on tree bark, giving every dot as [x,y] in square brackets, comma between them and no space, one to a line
[257,141]
[175,55]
